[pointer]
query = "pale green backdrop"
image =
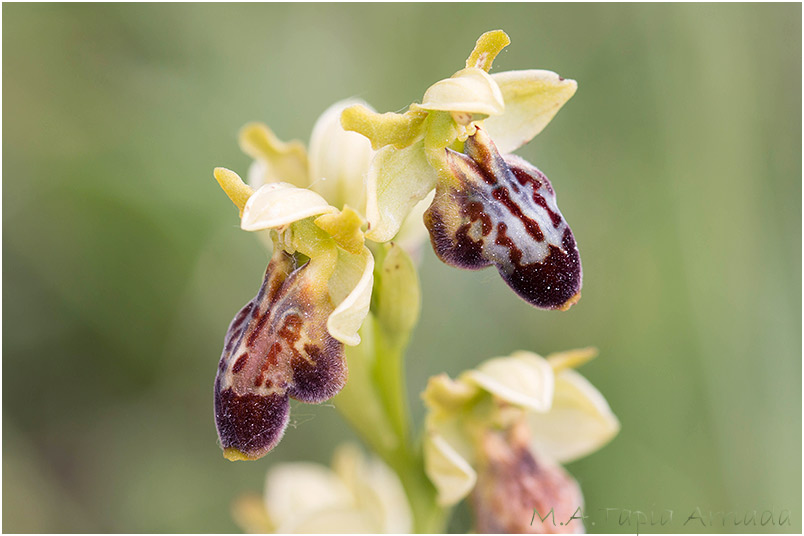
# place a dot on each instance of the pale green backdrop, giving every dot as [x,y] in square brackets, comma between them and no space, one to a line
[678,164]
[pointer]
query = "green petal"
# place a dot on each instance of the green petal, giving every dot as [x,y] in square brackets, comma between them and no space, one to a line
[339,160]
[486,49]
[523,379]
[531,98]
[445,397]
[277,161]
[579,423]
[344,228]
[399,130]
[277,204]
[398,179]
[470,90]
[350,289]
[233,186]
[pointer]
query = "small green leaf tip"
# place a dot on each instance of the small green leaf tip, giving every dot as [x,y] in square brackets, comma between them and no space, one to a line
[486,49]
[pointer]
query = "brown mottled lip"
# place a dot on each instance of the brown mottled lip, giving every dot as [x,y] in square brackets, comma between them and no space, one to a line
[277,347]
[500,210]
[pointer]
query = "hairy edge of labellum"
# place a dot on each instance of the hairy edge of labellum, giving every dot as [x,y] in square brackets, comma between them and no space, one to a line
[250,425]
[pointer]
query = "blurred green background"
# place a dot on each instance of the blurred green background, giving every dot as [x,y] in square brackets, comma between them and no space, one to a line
[678,164]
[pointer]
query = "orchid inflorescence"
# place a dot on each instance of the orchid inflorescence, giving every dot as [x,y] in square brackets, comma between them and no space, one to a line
[345,221]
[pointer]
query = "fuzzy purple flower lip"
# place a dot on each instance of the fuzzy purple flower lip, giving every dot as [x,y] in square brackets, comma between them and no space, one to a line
[276,347]
[501,210]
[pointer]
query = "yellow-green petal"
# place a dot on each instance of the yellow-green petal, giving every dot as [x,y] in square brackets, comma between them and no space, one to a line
[233,186]
[280,161]
[444,396]
[399,130]
[398,179]
[350,289]
[470,90]
[523,379]
[579,423]
[344,228]
[278,204]
[486,49]
[531,98]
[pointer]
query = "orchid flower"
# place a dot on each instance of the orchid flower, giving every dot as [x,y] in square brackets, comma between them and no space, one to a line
[288,341]
[490,207]
[500,431]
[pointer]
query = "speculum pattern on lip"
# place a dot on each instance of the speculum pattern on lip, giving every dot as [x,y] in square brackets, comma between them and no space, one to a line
[501,211]
[277,347]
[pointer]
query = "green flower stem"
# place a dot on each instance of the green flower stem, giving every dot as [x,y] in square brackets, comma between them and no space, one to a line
[374,400]
[390,379]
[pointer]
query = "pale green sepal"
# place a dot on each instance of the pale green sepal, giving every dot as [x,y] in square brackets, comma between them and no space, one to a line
[397,180]
[297,490]
[450,473]
[397,298]
[579,423]
[470,90]
[339,160]
[280,161]
[278,204]
[350,289]
[413,232]
[523,379]
[532,98]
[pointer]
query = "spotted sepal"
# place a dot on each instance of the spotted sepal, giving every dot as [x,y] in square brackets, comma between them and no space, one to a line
[502,211]
[276,347]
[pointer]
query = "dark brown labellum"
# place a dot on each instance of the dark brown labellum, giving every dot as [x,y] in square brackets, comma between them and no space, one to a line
[502,211]
[276,347]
